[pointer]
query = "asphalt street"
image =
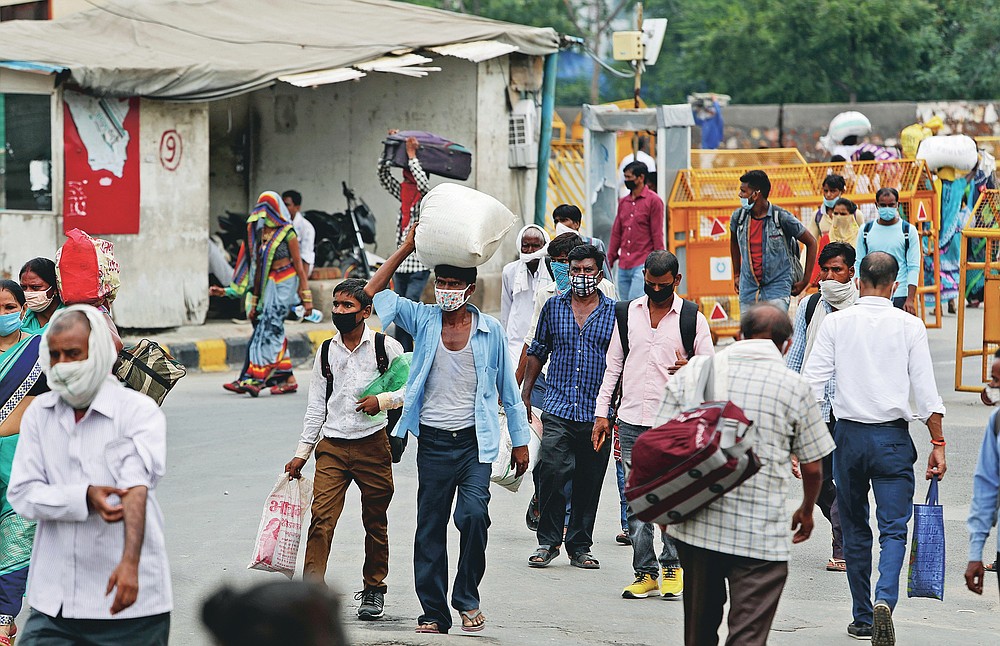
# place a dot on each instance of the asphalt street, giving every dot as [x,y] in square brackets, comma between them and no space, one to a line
[225,452]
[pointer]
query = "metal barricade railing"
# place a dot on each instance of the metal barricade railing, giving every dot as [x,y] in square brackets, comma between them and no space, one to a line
[742,158]
[982,237]
[703,199]
[567,178]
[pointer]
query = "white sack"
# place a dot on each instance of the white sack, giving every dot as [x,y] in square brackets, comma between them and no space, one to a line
[460,226]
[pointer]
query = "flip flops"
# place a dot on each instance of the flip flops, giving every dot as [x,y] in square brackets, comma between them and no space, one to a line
[430,628]
[471,616]
[544,556]
[284,389]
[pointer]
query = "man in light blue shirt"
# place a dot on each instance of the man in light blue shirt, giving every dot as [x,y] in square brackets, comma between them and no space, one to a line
[460,368]
[985,488]
[897,238]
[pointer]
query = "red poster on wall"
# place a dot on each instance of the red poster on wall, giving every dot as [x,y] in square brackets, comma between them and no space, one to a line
[101,141]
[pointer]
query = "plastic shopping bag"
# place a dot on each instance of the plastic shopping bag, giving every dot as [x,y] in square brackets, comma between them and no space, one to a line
[503,474]
[926,578]
[393,379]
[280,531]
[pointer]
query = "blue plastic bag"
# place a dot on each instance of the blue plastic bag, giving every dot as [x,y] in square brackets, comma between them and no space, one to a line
[926,577]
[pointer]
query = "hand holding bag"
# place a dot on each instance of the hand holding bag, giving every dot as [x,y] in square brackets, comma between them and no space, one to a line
[927,555]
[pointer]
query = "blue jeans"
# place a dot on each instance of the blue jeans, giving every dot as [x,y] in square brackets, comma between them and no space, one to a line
[43,630]
[409,285]
[880,457]
[630,283]
[448,463]
[643,555]
[780,303]
[621,493]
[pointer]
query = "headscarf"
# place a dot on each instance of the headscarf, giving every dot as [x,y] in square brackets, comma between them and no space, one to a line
[253,263]
[78,382]
[522,281]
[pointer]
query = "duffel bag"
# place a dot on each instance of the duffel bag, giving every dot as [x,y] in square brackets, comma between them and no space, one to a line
[149,369]
[686,464]
[437,155]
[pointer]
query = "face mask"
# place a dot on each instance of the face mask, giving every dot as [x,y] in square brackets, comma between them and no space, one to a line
[345,322]
[660,295]
[450,299]
[562,228]
[10,323]
[837,294]
[630,184]
[888,213]
[537,255]
[830,203]
[560,273]
[76,382]
[744,202]
[584,286]
[993,394]
[38,301]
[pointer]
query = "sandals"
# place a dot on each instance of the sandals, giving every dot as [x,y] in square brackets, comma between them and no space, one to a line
[284,389]
[471,616]
[542,556]
[430,627]
[585,560]
[836,565]
[234,387]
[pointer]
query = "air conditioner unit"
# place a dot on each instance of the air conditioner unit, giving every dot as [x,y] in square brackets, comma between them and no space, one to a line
[522,147]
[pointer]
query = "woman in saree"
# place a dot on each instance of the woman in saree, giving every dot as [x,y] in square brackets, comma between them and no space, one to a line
[38,280]
[270,274]
[21,380]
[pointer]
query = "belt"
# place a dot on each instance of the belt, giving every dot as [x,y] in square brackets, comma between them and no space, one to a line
[896,423]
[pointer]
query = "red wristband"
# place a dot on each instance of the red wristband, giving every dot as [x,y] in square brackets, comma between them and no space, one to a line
[940,442]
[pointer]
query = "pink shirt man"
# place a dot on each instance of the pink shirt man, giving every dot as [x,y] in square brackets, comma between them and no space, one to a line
[651,353]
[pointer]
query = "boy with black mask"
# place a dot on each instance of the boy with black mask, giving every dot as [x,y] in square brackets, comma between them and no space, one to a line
[349,438]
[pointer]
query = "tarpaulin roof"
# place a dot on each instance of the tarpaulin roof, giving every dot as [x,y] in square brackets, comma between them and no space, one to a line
[198,50]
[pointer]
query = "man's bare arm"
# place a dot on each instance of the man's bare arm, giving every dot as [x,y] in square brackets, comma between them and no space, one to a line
[125,577]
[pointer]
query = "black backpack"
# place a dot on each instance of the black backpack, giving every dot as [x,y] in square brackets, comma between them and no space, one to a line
[906,235]
[688,324]
[396,444]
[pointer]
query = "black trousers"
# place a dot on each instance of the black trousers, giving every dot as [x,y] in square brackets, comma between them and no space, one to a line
[567,454]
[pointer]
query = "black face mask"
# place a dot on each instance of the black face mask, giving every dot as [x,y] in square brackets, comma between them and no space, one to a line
[630,184]
[659,295]
[346,322]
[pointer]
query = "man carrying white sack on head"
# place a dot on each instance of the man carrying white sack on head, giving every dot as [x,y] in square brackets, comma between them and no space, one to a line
[88,461]
[461,367]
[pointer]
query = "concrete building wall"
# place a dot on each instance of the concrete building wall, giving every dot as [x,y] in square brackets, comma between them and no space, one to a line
[165,266]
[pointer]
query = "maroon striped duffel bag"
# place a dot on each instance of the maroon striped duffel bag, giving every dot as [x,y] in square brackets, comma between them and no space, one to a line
[684,465]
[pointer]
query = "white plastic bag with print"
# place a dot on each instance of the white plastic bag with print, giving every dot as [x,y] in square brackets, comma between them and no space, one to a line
[280,531]
[503,474]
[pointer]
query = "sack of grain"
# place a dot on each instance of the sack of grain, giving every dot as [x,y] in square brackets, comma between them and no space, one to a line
[956,151]
[460,226]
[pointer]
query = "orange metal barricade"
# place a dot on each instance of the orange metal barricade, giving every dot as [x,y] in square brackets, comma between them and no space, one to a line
[703,199]
[985,225]
[746,158]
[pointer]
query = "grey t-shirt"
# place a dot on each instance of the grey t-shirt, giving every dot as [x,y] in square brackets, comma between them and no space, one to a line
[450,392]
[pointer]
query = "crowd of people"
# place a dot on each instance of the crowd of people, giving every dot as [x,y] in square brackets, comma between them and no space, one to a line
[586,365]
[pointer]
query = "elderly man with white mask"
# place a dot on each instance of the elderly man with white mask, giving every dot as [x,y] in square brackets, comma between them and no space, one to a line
[521,280]
[88,461]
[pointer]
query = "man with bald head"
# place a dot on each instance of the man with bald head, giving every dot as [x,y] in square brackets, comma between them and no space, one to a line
[743,536]
[89,457]
[879,356]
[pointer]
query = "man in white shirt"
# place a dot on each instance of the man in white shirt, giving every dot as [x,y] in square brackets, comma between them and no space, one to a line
[521,279]
[879,355]
[89,457]
[303,229]
[354,446]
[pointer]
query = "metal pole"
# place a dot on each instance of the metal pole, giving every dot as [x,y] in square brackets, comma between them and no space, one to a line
[638,83]
[545,136]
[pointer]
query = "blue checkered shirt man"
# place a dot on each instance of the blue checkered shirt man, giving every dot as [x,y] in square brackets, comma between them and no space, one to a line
[578,356]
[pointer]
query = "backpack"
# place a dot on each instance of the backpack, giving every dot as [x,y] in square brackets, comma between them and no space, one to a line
[906,235]
[791,245]
[149,369]
[396,444]
[811,307]
[692,460]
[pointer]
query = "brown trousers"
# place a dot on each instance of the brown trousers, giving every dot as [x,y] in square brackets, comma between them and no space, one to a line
[755,587]
[368,462]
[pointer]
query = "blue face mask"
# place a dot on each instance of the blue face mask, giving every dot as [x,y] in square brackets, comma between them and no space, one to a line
[888,213]
[744,202]
[830,203]
[560,272]
[9,323]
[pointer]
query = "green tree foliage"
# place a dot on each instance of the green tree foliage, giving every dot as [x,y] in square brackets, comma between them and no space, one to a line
[801,51]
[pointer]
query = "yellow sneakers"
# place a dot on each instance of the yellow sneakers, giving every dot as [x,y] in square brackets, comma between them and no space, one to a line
[672,585]
[644,586]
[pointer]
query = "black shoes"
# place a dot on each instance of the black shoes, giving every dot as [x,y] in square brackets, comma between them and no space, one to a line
[372,603]
[883,633]
[859,630]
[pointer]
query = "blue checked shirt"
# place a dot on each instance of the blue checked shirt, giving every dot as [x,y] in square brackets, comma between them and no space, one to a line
[578,356]
[797,355]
